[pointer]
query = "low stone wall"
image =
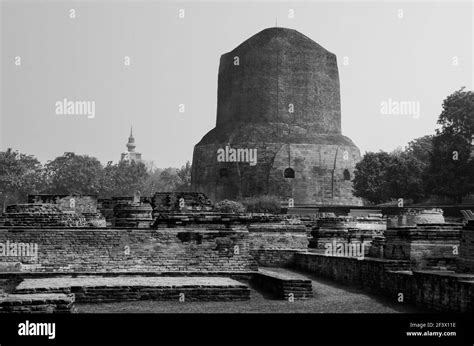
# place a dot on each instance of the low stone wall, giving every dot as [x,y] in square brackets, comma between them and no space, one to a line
[466,248]
[225,220]
[40,215]
[77,203]
[191,201]
[283,286]
[367,272]
[95,289]
[37,303]
[278,236]
[274,244]
[114,250]
[441,290]
[95,220]
[133,215]
[274,257]
[403,217]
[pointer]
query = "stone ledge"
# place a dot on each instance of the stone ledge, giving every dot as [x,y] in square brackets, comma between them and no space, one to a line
[109,289]
[37,302]
[284,284]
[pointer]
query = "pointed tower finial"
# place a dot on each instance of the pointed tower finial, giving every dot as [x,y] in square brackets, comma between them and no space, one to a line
[131,130]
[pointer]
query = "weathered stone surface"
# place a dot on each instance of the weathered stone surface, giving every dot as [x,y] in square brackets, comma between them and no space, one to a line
[278,236]
[466,248]
[277,68]
[437,290]
[283,284]
[424,245]
[191,202]
[352,230]
[274,244]
[37,303]
[125,288]
[77,203]
[274,257]
[95,219]
[106,205]
[130,250]
[40,215]
[133,215]
[402,217]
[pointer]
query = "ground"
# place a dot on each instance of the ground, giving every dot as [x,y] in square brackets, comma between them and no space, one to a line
[329,297]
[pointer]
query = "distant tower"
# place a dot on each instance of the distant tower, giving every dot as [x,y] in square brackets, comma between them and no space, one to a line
[131,155]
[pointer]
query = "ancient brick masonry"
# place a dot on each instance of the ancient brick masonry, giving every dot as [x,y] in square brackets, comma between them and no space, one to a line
[401,217]
[77,203]
[282,285]
[282,99]
[275,243]
[40,215]
[133,215]
[124,212]
[37,303]
[170,202]
[425,245]
[93,289]
[419,235]
[466,251]
[346,230]
[129,250]
[84,205]
[443,291]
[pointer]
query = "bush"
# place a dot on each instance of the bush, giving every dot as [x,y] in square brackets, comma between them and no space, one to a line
[263,204]
[228,206]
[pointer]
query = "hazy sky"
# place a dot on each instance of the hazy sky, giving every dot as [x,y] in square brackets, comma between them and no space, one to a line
[175,61]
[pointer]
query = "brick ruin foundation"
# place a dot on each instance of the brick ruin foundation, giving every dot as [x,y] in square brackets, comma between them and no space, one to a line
[40,216]
[466,251]
[160,236]
[430,262]
[346,230]
[425,245]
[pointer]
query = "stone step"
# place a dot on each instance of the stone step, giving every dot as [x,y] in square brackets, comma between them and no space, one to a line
[39,303]
[283,282]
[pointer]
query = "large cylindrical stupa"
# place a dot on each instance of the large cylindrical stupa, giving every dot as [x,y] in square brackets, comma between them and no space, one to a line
[278,128]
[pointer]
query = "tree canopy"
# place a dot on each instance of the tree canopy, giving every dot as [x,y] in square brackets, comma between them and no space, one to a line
[432,165]
[22,174]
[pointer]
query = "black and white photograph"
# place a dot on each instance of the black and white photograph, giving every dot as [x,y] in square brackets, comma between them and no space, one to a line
[236,172]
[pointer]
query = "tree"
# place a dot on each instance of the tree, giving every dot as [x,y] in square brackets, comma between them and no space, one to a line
[184,175]
[20,175]
[169,179]
[421,149]
[123,179]
[74,174]
[370,175]
[457,117]
[404,176]
[451,173]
